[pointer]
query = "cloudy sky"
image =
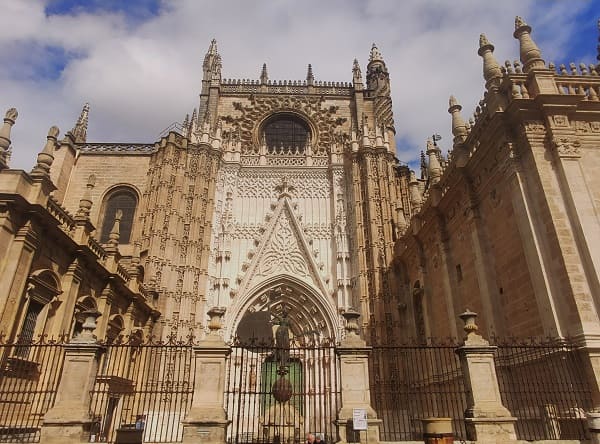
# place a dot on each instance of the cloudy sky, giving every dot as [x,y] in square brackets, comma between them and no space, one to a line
[139,62]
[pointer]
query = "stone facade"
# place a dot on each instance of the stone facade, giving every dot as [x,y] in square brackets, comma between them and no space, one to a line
[325,219]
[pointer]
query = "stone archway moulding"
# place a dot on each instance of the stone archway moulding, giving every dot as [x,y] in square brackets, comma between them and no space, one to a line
[306,305]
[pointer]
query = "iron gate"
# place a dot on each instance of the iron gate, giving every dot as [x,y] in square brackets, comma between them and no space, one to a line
[278,395]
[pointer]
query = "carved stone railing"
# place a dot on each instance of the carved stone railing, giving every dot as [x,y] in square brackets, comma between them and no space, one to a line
[112,148]
[123,273]
[97,249]
[65,220]
[286,86]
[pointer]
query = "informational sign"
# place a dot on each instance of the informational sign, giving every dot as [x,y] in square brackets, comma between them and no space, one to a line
[359,419]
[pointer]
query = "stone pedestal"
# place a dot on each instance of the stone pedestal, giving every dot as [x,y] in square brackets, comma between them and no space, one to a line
[207,420]
[593,424]
[354,374]
[69,420]
[486,419]
[437,431]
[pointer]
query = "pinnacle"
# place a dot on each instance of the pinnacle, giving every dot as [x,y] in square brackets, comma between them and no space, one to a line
[375,54]
[483,41]
[519,22]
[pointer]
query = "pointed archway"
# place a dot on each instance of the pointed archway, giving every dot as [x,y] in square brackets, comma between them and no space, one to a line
[309,315]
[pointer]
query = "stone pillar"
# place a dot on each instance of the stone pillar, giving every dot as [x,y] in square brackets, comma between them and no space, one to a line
[593,423]
[354,373]
[207,419]
[69,421]
[486,419]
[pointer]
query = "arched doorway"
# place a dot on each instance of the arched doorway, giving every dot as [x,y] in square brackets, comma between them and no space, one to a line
[282,378]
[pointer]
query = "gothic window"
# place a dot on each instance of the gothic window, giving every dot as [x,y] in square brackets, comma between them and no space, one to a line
[286,134]
[124,199]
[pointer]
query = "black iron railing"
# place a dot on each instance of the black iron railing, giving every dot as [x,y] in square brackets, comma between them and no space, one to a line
[29,377]
[543,383]
[412,382]
[144,386]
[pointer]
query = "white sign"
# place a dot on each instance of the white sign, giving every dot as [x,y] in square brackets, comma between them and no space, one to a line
[359,419]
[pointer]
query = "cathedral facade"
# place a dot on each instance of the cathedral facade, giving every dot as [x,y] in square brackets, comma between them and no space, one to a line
[285,200]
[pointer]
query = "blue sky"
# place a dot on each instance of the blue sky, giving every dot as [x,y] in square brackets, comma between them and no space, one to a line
[138,62]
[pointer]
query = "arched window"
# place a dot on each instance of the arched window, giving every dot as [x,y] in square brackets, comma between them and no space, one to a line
[286,133]
[43,287]
[124,199]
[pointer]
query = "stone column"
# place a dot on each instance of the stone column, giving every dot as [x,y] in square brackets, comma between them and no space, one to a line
[69,421]
[486,419]
[354,373]
[207,419]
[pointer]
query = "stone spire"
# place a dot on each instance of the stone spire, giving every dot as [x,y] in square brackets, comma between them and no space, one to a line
[434,169]
[310,78]
[459,127]
[356,73]
[375,54]
[491,69]
[531,56]
[416,199]
[85,203]
[9,120]
[79,132]
[210,55]
[264,76]
[212,63]
[46,157]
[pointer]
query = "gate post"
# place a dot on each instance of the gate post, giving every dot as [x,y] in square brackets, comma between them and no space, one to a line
[354,373]
[69,421]
[486,419]
[207,420]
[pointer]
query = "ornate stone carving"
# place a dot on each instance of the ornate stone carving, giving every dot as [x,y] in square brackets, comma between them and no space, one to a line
[567,147]
[313,108]
[561,121]
[534,127]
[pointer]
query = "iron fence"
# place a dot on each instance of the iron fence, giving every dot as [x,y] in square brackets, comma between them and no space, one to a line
[29,377]
[144,388]
[543,383]
[411,382]
[279,394]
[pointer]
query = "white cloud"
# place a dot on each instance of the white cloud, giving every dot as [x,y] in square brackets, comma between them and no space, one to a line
[141,78]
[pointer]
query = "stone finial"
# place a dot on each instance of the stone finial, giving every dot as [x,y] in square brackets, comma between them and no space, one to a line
[356,73]
[459,127]
[9,120]
[186,121]
[87,335]
[216,320]
[471,328]
[79,132]
[310,78]
[113,236]
[375,55]
[491,69]
[264,76]
[46,157]
[85,204]
[531,56]
[351,316]
[210,54]
[434,169]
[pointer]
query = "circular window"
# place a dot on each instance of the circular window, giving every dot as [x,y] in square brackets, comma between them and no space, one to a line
[286,134]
